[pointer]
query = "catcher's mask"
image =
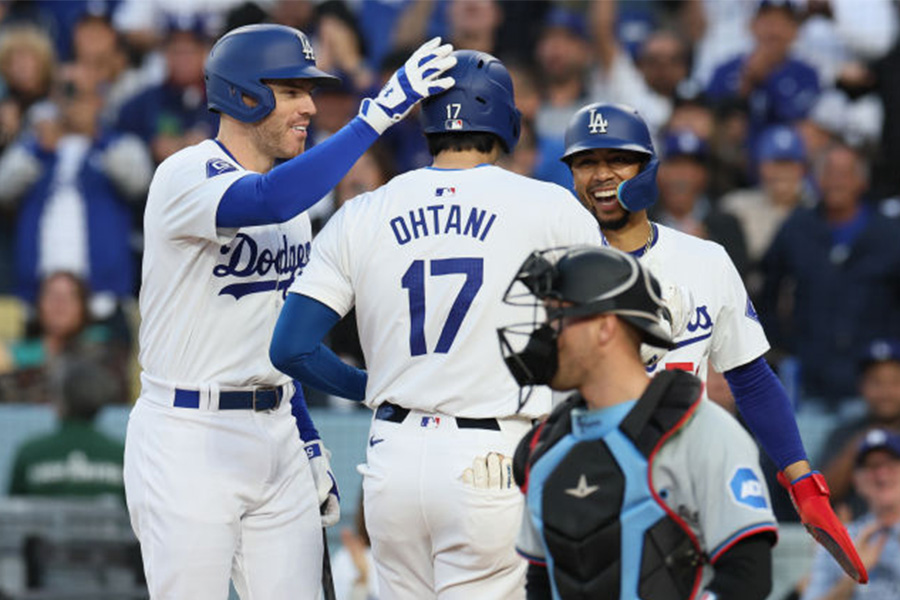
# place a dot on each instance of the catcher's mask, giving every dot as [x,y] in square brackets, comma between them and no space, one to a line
[572,283]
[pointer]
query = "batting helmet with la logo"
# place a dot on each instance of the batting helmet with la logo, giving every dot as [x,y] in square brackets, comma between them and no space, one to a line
[616,127]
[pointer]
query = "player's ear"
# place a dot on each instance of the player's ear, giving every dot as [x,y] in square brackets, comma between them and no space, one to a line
[603,329]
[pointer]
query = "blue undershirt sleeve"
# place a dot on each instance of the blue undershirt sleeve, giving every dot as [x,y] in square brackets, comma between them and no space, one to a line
[765,407]
[305,426]
[298,351]
[295,185]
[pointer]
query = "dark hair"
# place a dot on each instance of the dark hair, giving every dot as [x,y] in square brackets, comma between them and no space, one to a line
[480,141]
[33,327]
[87,386]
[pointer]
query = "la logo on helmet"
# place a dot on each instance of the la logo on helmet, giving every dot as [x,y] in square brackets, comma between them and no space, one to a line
[308,51]
[597,123]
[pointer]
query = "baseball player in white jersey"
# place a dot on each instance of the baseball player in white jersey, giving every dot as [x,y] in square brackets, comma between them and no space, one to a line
[218,482]
[614,165]
[425,260]
[625,500]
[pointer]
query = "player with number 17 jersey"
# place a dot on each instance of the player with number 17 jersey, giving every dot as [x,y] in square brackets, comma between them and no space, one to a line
[426,260]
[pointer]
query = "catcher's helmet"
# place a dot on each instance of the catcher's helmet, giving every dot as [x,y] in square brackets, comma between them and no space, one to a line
[241,59]
[593,280]
[481,100]
[620,127]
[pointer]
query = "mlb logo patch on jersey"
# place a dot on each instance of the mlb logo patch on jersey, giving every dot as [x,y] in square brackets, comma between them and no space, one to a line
[217,166]
[430,422]
[445,192]
[747,489]
[453,124]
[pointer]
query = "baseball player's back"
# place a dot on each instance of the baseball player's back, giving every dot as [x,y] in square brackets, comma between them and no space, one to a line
[426,259]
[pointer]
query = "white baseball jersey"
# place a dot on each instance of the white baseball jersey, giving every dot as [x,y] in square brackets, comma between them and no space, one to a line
[210,297]
[216,494]
[723,327]
[426,260]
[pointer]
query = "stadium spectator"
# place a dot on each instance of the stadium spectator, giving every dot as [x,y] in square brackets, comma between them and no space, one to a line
[843,261]
[838,37]
[76,459]
[649,82]
[775,87]
[27,64]
[879,387]
[74,183]
[62,329]
[341,50]
[563,56]
[100,50]
[469,24]
[761,210]
[683,203]
[172,115]
[876,476]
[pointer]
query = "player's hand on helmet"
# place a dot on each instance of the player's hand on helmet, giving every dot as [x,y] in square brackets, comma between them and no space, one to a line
[810,495]
[326,484]
[421,76]
[491,472]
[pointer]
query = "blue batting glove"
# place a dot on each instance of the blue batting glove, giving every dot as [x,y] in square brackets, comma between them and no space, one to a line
[418,78]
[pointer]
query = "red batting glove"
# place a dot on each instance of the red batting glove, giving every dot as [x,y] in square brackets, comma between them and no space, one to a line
[810,495]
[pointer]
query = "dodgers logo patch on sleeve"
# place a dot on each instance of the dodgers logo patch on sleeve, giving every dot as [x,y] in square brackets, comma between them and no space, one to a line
[747,489]
[751,311]
[217,166]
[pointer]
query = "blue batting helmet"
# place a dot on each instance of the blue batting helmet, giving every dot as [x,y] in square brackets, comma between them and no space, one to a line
[620,127]
[481,100]
[241,59]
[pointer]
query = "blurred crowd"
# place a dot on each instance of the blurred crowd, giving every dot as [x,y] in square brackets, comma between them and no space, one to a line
[772,119]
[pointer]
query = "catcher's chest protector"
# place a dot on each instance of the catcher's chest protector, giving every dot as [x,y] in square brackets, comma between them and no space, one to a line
[607,534]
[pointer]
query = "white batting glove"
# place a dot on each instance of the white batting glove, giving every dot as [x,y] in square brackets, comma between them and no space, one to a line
[326,484]
[418,78]
[491,472]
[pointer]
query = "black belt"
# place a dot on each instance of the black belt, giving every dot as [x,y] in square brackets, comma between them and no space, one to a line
[396,414]
[259,399]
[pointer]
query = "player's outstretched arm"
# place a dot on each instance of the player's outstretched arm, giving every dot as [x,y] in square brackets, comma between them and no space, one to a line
[295,185]
[766,409]
[298,351]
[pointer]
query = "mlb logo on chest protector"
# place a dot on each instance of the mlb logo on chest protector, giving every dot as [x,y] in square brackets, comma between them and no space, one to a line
[597,123]
[430,422]
[747,489]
